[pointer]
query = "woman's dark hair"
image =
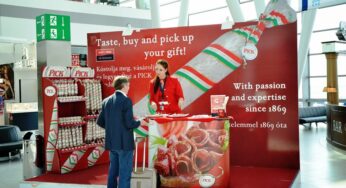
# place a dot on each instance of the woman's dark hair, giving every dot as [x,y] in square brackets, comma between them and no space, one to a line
[164,64]
[120,81]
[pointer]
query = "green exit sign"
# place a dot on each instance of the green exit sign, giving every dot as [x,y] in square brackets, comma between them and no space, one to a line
[53,27]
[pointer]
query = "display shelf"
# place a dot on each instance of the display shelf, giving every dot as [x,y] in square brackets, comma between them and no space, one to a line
[72,124]
[87,117]
[69,99]
[69,109]
[83,147]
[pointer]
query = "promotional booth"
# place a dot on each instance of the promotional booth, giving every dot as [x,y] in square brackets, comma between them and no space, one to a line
[252,142]
[254,63]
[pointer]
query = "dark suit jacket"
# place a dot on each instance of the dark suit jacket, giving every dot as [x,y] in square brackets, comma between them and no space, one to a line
[117,118]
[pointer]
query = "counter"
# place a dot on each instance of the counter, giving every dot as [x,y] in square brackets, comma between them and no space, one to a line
[186,151]
[24,115]
[336,125]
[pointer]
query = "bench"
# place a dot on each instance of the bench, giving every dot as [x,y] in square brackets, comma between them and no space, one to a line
[312,114]
[11,141]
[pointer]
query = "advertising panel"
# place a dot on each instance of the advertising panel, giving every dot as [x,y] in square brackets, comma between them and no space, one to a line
[254,64]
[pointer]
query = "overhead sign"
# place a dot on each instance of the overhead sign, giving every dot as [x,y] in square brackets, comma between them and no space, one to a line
[53,27]
[313,4]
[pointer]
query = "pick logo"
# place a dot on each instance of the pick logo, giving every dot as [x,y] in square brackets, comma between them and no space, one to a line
[249,52]
[206,180]
[49,91]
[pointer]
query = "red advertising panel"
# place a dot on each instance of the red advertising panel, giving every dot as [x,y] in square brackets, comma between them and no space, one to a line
[262,92]
[254,64]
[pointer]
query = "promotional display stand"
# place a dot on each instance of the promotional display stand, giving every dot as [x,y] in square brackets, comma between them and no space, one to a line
[71,101]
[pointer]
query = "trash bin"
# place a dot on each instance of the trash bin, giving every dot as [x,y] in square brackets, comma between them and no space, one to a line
[33,159]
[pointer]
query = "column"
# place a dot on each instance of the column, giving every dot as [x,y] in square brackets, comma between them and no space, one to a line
[308,19]
[184,13]
[235,9]
[260,6]
[155,13]
[332,78]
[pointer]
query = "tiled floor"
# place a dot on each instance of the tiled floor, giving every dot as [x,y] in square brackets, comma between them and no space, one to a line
[322,165]
[11,173]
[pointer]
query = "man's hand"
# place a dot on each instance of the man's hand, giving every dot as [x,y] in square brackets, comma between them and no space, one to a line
[143,122]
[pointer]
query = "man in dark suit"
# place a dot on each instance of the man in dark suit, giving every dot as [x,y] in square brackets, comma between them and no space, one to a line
[117,118]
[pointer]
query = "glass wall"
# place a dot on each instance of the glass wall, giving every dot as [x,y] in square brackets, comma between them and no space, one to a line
[205,12]
[325,26]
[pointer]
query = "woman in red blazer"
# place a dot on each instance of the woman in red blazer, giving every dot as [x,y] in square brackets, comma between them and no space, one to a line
[166,95]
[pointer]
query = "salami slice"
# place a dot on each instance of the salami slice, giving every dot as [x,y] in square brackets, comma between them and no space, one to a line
[184,167]
[199,137]
[162,167]
[202,161]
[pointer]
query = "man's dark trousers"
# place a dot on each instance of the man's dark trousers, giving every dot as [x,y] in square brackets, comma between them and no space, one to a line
[121,161]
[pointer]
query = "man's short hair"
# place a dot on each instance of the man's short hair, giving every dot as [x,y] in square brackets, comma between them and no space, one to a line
[120,81]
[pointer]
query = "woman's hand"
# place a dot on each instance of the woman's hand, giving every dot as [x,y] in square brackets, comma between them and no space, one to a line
[153,106]
[180,103]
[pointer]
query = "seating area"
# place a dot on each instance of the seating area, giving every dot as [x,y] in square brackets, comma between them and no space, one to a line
[312,114]
[11,141]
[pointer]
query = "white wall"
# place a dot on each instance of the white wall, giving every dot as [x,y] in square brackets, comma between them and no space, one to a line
[17,18]
[18,28]
[77,7]
[79,32]
[26,29]
[18,25]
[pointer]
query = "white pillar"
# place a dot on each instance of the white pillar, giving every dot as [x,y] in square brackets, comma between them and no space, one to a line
[260,6]
[184,13]
[308,19]
[234,8]
[143,4]
[0,26]
[155,13]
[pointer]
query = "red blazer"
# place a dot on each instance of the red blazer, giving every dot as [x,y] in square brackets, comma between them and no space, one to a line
[172,92]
